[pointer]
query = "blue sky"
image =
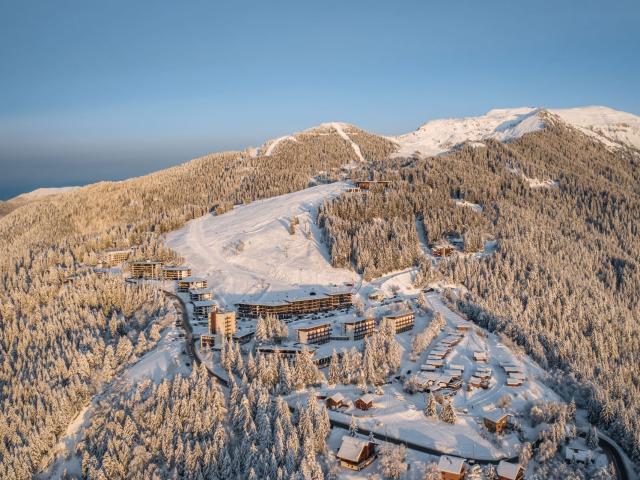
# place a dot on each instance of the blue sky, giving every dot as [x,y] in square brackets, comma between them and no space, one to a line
[104,90]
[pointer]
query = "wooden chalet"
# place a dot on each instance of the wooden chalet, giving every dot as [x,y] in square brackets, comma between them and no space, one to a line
[356,453]
[496,420]
[480,356]
[147,269]
[444,250]
[403,321]
[175,272]
[451,468]
[510,471]
[337,400]
[365,402]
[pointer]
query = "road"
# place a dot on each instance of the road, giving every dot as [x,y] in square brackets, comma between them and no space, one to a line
[190,342]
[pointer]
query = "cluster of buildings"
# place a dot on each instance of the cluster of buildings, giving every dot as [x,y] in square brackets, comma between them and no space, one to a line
[358,453]
[515,374]
[156,270]
[298,306]
[438,354]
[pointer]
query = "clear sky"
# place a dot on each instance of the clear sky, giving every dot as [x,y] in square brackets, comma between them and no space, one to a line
[94,90]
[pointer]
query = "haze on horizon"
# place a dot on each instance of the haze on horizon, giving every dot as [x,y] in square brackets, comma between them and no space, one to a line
[115,89]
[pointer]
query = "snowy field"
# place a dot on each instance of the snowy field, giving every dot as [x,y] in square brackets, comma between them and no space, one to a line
[248,253]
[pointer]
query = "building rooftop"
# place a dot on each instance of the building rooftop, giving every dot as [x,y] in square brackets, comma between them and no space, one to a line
[351,448]
[495,415]
[306,328]
[200,291]
[449,464]
[401,313]
[192,279]
[175,268]
[204,303]
[508,470]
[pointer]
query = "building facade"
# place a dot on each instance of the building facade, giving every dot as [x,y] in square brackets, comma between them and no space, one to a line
[403,321]
[300,306]
[358,329]
[314,334]
[222,323]
[175,272]
[203,309]
[146,269]
[115,256]
[189,283]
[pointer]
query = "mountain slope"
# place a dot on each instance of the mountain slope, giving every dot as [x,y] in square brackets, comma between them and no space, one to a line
[611,127]
[40,194]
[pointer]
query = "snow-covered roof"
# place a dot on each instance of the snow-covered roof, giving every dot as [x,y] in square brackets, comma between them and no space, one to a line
[192,279]
[577,451]
[199,291]
[401,313]
[508,470]
[337,397]
[367,398]
[513,382]
[449,464]
[203,303]
[351,448]
[495,415]
[350,321]
[175,268]
[511,368]
[517,375]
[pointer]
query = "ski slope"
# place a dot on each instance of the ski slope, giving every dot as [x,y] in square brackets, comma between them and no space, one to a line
[248,253]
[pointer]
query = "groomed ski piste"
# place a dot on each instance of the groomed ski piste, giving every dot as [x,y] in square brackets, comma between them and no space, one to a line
[249,254]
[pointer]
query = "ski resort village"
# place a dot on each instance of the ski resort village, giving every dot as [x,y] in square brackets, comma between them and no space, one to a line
[304,350]
[390,377]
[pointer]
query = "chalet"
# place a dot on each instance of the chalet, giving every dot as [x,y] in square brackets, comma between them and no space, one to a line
[442,250]
[355,453]
[514,382]
[207,341]
[475,382]
[203,309]
[336,400]
[188,283]
[175,272]
[222,323]
[200,294]
[369,184]
[510,471]
[320,333]
[115,256]
[428,367]
[463,327]
[365,402]
[577,451]
[357,329]
[451,468]
[403,321]
[496,420]
[146,269]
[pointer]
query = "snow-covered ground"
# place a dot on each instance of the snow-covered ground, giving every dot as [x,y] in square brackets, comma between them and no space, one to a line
[609,126]
[249,254]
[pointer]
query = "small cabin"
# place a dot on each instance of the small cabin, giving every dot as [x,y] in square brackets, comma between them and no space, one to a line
[336,400]
[578,452]
[510,471]
[451,468]
[365,402]
[356,453]
[496,420]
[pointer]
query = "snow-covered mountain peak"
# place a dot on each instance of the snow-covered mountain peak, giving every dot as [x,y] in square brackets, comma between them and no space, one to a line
[612,127]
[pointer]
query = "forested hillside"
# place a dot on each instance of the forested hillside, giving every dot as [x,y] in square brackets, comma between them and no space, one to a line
[61,342]
[564,281]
